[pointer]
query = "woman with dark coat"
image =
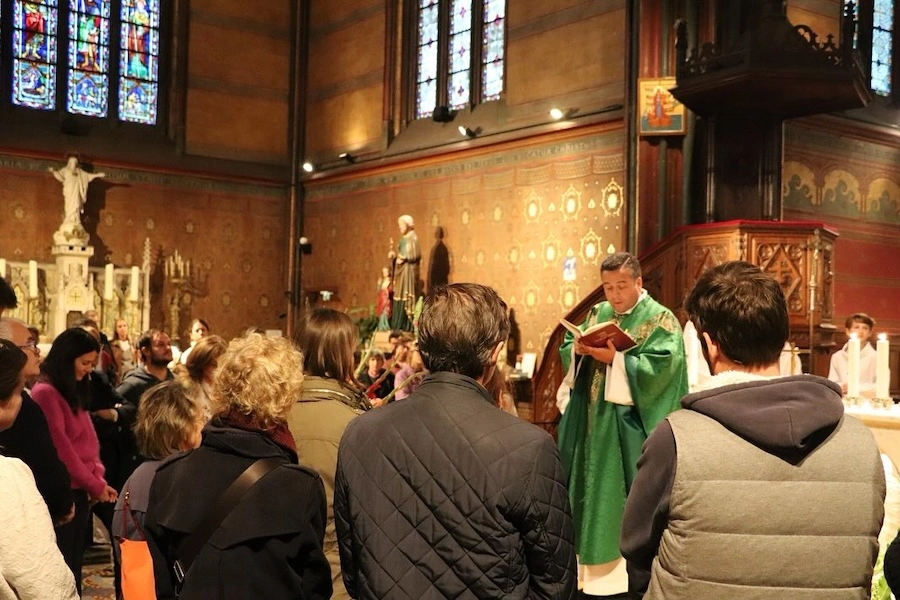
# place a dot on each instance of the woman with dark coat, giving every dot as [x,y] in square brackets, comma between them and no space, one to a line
[270,544]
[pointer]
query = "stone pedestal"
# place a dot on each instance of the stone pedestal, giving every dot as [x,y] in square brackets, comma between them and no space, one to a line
[73,295]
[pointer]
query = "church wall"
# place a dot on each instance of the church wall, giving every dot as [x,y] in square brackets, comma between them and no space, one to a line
[238,84]
[511,214]
[232,232]
[849,177]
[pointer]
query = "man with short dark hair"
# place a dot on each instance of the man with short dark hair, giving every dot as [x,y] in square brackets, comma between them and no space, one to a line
[761,487]
[156,353]
[611,400]
[443,494]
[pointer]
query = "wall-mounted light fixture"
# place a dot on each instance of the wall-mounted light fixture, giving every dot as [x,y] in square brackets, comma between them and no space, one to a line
[468,131]
[309,167]
[347,157]
[558,113]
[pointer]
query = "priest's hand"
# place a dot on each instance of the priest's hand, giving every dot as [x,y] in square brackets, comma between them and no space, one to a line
[604,355]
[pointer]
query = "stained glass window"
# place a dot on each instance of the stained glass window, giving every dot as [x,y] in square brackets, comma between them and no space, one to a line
[34,53]
[139,61]
[493,54]
[882,45]
[105,54]
[88,81]
[459,90]
[459,53]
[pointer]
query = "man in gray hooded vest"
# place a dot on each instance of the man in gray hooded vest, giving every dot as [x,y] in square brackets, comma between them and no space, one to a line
[761,488]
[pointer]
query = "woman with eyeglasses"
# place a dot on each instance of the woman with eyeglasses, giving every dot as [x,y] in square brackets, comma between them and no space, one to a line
[63,393]
[31,566]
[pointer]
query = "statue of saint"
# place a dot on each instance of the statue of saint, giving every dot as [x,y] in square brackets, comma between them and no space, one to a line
[75,182]
[406,275]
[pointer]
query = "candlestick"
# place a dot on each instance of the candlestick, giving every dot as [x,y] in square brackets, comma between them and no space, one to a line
[853,366]
[135,282]
[882,368]
[32,279]
[2,267]
[108,278]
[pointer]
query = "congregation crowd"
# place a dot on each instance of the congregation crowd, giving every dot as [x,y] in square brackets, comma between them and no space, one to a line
[264,467]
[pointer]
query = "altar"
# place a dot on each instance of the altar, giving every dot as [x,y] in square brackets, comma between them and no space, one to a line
[884,424]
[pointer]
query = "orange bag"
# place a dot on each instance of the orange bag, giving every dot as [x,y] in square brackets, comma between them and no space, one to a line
[138,582]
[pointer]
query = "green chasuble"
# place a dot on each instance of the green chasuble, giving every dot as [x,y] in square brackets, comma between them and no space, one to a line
[600,442]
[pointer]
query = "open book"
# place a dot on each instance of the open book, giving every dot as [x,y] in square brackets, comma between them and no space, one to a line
[598,334]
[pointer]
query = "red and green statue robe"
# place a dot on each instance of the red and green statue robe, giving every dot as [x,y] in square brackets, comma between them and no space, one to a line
[600,442]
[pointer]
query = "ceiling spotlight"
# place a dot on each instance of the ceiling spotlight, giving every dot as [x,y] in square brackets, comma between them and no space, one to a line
[556,113]
[309,167]
[347,157]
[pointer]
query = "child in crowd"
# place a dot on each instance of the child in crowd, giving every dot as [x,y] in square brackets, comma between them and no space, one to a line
[862,325]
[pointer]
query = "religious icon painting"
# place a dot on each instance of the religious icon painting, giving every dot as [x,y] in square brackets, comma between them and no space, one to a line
[659,112]
[569,269]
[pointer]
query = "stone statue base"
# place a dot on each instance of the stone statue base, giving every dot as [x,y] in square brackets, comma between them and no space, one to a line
[74,292]
[71,235]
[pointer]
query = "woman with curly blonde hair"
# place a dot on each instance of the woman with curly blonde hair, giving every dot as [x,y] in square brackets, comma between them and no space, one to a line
[270,544]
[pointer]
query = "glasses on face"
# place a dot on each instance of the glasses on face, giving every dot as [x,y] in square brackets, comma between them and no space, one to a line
[30,345]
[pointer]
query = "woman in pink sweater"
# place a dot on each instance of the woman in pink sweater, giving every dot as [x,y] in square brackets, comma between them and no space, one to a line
[63,393]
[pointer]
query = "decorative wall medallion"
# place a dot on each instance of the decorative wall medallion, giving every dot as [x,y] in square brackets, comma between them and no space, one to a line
[246,265]
[435,221]
[612,198]
[343,266]
[19,212]
[498,213]
[189,226]
[150,225]
[264,300]
[465,216]
[568,295]
[533,207]
[550,250]
[479,258]
[530,295]
[228,230]
[129,259]
[108,219]
[514,255]
[590,247]
[225,299]
[267,233]
[571,203]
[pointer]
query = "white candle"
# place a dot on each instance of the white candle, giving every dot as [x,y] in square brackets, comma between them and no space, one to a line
[2,267]
[108,279]
[882,368]
[693,356]
[853,366]
[135,282]
[32,279]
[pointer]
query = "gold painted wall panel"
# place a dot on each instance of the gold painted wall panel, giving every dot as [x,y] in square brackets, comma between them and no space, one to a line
[500,231]
[346,122]
[213,56]
[251,128]
[586,54]
[262,13]
[344,55]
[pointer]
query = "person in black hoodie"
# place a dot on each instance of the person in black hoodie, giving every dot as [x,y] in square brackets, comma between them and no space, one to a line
[269,545]
[760,487]
[29,439]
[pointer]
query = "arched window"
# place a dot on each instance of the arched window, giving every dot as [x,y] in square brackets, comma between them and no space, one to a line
[98,58]
[460,53]
[875,41]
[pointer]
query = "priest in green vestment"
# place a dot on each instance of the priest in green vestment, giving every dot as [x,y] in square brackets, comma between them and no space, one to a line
[611,401]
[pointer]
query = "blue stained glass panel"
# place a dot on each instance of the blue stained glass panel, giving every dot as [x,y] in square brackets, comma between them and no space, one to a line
[34,53]
[88,72]
[882,46]
[427,64]
[493,49]
[139,61]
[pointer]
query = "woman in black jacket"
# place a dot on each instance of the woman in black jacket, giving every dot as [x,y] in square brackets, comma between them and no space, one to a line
[270,544]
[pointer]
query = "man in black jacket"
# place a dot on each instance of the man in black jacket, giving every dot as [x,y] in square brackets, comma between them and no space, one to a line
[443,494]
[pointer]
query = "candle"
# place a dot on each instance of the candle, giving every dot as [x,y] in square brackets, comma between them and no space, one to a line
[853,366]
[32,279]
[2,267]
[882,368]
[108,278]
[693,354]
[135,282]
